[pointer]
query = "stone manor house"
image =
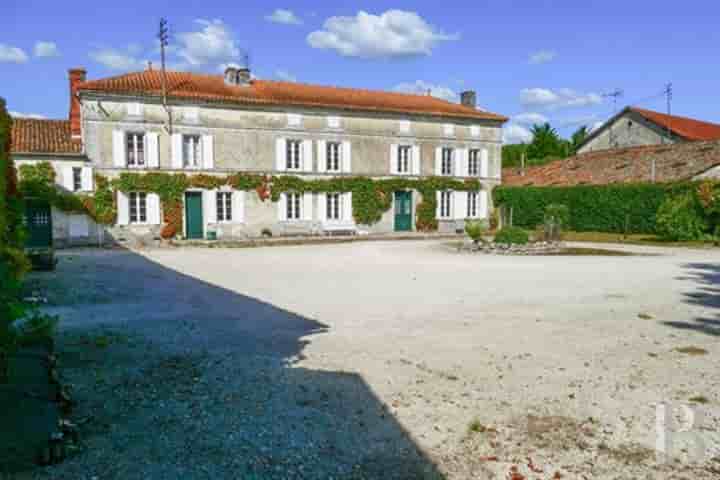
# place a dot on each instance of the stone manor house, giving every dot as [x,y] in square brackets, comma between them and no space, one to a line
[223,124]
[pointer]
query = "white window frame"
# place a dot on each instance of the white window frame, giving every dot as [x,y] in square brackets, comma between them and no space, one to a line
[473,204]
[335,163]
[293,155]
[224,206]
[293,206]
[446,204]
[446,160]
[404,159]
[197,151]
[333,207]
[135,203]
[474,162]
[138,140]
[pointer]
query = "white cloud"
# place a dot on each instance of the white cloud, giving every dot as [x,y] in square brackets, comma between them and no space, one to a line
[542,56]
[26,115]
[395,33]
[420,87]
[46,49]
[11,54]
[285,76]
[560,98]
[283,16]
[578,121]
[116,59]
[530,118]
[213,43]
[513,133]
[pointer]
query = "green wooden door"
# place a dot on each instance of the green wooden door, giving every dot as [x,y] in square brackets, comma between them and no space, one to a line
[403,211]
[193,215]
[38,222]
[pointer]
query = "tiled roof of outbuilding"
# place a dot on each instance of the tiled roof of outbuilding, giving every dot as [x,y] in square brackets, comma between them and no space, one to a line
[684,127]
[30,135]
[212,88]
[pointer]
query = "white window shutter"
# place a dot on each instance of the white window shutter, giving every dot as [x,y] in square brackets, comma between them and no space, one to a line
[86,177]
[347,210]
[307,206]
[483,207]
[460,205]
[497,161]
[416,160]
[67,178]
[307,156]
[153,149]
[208,152]
[282,207]
[123,209]
[119,159]
[346,157]
[209,206]
[438,160]
[393,158]
[461,163]
[322,155]
[322,206]
[458,162]
[438,198]
[484,163]
[280,155]
[238,206]
[176,151]
[153,208]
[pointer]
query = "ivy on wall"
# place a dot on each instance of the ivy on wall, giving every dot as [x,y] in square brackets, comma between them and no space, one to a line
[371,198]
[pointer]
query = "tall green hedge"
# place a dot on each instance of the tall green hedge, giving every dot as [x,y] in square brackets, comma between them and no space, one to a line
[614,208]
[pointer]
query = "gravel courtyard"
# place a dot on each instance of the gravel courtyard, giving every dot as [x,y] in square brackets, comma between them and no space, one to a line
[386,360]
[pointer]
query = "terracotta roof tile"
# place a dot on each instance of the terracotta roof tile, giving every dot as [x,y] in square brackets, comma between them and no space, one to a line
[687,128]
[30,135]
[212,88]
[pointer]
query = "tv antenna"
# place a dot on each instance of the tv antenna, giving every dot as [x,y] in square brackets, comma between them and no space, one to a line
[668,92]
[615,94]
[163,37]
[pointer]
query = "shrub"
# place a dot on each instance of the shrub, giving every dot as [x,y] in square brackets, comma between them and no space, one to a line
[512,235]
[475,229]
[681,218]
[617,208]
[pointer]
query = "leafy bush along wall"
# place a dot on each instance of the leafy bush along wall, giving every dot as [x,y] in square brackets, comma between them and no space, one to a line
[371,198]
[618,208]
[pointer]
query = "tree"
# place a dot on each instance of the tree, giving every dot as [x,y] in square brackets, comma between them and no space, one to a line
[578,138]
[546,145]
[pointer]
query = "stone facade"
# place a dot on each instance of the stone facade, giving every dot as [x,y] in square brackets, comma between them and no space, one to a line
[628,130]
[246,141]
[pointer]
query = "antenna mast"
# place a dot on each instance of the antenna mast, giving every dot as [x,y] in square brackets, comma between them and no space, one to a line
[163,37]
[615,94]
[668,92]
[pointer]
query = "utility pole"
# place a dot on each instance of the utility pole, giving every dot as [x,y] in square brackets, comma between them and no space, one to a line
[615,94]
[163,37]
[668,92]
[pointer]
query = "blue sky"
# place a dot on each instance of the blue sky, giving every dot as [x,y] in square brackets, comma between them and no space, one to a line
[529,60]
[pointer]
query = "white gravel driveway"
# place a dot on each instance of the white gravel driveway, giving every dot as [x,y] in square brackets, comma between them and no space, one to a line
[399,360]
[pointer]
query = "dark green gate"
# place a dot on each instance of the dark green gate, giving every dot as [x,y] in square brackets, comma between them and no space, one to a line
[403,211]
[38,223]
[193,215]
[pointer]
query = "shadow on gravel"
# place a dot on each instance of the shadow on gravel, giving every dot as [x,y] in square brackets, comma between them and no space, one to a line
[707,276]
[179,378]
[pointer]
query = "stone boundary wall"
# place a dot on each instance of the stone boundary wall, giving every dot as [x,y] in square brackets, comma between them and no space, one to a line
[656,163]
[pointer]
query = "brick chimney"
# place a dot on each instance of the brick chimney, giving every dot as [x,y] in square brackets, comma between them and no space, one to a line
[231,75]
[76,76]
[243,76]
[469,98]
